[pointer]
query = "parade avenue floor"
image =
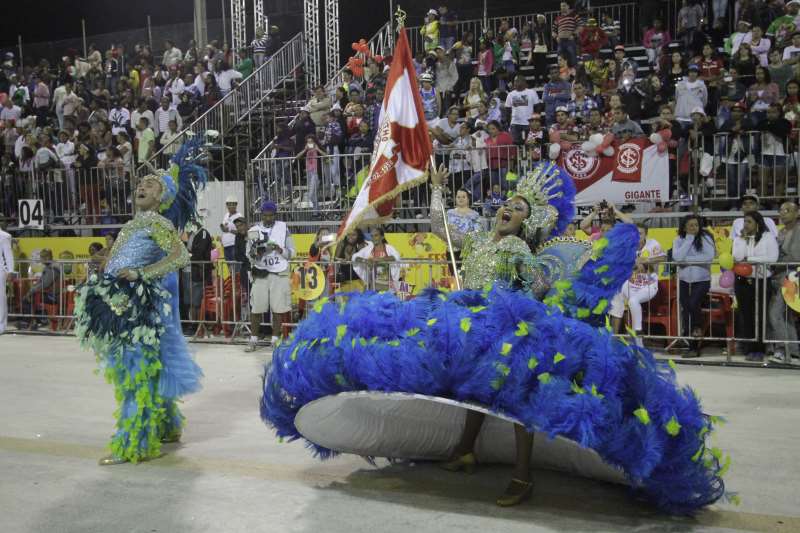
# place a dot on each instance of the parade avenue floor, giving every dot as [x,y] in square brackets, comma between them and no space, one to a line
[231,474]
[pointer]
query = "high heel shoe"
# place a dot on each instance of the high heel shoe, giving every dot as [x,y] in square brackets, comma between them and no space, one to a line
[110,460]
[464,462]
[517,492]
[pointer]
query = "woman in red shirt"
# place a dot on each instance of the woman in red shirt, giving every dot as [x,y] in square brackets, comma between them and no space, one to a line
[501,154]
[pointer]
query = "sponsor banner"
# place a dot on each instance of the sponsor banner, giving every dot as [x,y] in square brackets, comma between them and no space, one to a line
[635,173]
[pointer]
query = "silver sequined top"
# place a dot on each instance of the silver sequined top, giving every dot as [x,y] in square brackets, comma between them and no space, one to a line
[486,261]
[144,242]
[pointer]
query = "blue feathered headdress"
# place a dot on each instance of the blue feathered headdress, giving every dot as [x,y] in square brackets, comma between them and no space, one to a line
[181,183]
[550,193]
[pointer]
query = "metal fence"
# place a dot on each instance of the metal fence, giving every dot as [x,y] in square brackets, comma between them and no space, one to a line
[214,299]
[626,13]
[82,196]
[241,100]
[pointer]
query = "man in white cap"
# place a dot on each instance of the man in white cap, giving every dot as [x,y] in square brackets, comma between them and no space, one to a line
[6,268]
[228,227]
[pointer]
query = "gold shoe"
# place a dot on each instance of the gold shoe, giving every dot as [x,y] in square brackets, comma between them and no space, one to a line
[171,437]
[517,492]
[110,460]
[465,462]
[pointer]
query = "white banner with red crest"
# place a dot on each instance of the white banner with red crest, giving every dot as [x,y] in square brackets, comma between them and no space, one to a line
[635,173]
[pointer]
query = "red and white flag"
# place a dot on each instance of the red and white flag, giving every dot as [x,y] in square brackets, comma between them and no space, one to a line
[402,144]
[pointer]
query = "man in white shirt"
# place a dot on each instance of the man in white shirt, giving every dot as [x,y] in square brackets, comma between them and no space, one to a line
[791,54]
[446,129]
[174,87]
[10,112]
[58,102]
[228,228]
[749,204]
[172,54]
[271,289]
[170,139]
[163,115]
[225,78]
[142,111]
[119,117]
[6,269]
[521,101]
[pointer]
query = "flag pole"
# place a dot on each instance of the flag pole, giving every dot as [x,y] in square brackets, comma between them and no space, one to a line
[447,235]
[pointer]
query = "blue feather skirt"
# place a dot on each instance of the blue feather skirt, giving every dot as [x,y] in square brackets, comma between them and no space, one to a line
[516,356]
[134,330]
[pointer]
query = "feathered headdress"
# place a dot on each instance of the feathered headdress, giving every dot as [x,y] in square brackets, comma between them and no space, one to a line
[181,182]
[549,191]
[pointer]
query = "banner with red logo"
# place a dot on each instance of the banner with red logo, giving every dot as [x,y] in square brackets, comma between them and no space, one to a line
[635,173]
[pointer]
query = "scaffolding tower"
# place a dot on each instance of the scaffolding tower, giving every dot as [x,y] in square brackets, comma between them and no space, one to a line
[331,38]
[312,44]
[238,25]
[260,20]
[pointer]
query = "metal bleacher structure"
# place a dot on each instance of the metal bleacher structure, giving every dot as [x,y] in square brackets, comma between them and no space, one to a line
[265,169]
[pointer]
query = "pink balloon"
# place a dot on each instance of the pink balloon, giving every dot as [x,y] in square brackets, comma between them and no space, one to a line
[726,279]
[214,254]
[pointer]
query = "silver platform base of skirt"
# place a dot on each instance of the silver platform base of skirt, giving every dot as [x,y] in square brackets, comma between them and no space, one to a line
[418,427]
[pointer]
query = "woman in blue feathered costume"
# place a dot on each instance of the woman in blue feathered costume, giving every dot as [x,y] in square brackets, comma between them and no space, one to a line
[129,314]
[525,339]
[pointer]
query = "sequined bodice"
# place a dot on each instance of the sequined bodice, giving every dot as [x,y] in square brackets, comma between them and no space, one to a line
[143,241]
[487,261]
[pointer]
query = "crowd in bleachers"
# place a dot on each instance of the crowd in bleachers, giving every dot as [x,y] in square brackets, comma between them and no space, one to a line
[97,116]
[726,105]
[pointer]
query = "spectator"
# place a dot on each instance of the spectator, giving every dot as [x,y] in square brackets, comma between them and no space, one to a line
[655,40]
[762,94]
[240,257]
[125,149]
[332,138]
[745,64]
[259,47]
[319,105]
[599,73]
[10,112]
[45,158]
[655,96]
[737,38]
[749,203]
[541,43]
[119,117]
[349,83]
[485,65]
[304,126]
[164,115]
[346,276]
[174,88]
[689,20]
[246,66]
[791,54]
[147,140]
[446,130]
[782,322]
[782,27]
[271,289]
[446,76]
[755,245]
[624,128]
[475,95]
[556,93]
[521,102]
[565,27]
[48,289]
[172,54]
[448,21]
[735,148]
[642,287]
[536,137]
[500,152]
[6,272]
[694,244]
[674,73]
[312,154]
[431,99]
[141,111]
[199,273]
[369,263]
[689,94]
[463,51]
[227,77]
[430,31]
[780,72]
[711,70]
[592,38]
[759,45]
[564,129]
[171,139]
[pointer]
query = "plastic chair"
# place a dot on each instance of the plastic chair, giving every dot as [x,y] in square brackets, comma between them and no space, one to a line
[662,310]
[720,311]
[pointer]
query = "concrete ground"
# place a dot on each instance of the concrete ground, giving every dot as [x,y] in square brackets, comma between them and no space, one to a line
[230,474]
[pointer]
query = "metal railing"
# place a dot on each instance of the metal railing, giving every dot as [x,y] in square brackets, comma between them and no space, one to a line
[74,195]
[625,13]
[243,99]
[740,317]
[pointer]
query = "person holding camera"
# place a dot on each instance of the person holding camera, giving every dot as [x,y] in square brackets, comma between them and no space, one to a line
[270,248]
